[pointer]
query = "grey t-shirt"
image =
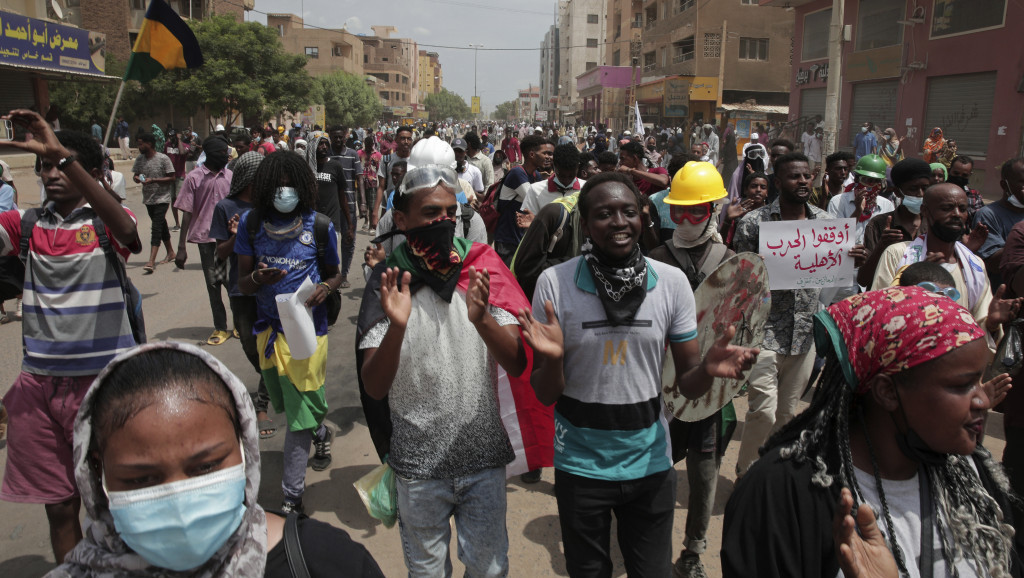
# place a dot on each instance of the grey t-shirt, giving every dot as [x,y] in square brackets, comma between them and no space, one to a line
[158,166]
[444,404]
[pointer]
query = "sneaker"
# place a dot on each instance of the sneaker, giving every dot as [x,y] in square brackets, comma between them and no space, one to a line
[530,477]
[322,457]
[688,566]
[289,506]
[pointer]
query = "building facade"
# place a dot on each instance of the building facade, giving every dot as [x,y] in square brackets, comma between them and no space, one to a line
[326,50]
[602,91]
[582,31]
[549,65]
[529,103]
[431,78]
[914,66]
[395,61]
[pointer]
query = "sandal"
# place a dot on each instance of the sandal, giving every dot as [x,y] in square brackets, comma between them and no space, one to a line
[267,428]
[148,269]
[169,259]
[344,283]
[218,337]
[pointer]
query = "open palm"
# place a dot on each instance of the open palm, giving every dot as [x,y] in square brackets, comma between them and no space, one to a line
[544,338]
[396,301]
[729,361]
[863,552]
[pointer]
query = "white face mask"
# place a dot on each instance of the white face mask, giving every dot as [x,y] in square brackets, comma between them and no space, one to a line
[1012,199]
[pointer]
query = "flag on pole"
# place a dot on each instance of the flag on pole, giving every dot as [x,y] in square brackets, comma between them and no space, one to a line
[165,42]
[638,128]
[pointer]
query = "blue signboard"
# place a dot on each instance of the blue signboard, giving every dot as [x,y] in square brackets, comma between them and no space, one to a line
[37,43]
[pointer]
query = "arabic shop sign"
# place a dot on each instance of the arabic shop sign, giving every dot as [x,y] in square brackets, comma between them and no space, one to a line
[37,43]
[808,254]
[815,73]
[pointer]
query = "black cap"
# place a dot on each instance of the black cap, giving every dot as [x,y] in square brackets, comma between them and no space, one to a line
[459,144]
[908,170]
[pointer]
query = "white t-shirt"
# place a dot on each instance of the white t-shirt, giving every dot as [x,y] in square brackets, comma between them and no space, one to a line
[474,177]
[538,196]
[843,206]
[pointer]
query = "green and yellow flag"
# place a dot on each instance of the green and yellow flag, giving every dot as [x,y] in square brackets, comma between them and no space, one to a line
[165,42]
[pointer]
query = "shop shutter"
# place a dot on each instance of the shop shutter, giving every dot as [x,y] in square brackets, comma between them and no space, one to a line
[17,91]
[873,102]
[962,106]
[812,102]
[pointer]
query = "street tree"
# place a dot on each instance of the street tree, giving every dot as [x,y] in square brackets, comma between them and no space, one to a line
[505,111]
[347,99]
[445,104]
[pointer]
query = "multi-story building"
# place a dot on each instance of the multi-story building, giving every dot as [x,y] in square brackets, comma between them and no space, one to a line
[327,50]
[549,64]
[529,103]
[431,79]
[913,66]
[395,61]
[582,33]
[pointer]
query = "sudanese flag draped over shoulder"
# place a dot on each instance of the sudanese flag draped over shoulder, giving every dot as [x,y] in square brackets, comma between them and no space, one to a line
[529,423]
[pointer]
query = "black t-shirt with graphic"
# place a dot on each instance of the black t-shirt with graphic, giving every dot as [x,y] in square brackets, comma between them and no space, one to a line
[330,181]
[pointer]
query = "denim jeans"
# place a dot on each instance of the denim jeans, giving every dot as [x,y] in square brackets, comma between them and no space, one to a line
[644,509]
[478,503]
[243,314]
[208,258]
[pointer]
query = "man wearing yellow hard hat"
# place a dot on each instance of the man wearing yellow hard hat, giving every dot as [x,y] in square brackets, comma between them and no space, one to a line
[695,200]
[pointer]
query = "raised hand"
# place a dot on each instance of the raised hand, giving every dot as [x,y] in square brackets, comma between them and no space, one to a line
[478,294]
[233,224]
[859,254]
[374,254]
[524,218]
[44,142]
[729,361]
[977,237]
[1001,310]
[997,388]
[863,555]
[889,234]
[544,338]
[396,301]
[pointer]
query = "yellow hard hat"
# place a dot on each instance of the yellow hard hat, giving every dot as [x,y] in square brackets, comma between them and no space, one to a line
[696,183]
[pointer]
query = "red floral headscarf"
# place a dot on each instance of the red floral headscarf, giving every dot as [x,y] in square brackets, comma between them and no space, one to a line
[887,331]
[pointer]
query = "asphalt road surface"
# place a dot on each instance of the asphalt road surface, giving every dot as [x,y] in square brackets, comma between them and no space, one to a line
[176,308]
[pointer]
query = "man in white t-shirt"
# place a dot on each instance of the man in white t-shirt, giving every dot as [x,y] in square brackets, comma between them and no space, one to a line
[466,170]
[562,182]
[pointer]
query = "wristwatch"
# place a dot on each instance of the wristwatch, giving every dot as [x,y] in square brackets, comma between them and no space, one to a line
[65,162]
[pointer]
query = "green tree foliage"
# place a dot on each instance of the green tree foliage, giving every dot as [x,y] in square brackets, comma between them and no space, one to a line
[347,99]
[83,101]
[505,110]
[446,104]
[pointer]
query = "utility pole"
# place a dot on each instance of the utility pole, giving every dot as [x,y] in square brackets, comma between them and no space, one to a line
[835,78]
[475,48]
[721,64]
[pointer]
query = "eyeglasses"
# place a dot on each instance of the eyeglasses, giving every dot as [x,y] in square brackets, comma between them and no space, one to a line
[429,176]
[950,292]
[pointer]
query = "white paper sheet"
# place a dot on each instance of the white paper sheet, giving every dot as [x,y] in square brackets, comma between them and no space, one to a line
[297,320]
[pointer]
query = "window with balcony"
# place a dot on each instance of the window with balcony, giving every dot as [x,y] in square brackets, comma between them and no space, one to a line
[753,49]
[638,20]
[815,40]
[683,5]
[878,24]
[591,42]
[313,51]
[683,50]
[649,61]
[593,19]
[342,51]
[652,16]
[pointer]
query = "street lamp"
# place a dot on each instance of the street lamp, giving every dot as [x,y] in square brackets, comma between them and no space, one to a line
[475,47]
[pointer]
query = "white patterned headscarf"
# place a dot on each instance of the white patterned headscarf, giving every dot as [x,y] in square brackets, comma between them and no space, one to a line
[102,553]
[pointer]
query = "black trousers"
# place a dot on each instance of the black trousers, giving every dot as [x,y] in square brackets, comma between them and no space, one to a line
[644,509]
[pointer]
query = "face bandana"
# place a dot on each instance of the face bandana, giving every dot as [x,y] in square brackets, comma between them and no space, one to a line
[620,287]
[433,251]
[872,199]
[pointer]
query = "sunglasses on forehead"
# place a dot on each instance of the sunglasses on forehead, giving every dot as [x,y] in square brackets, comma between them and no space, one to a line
[950,292]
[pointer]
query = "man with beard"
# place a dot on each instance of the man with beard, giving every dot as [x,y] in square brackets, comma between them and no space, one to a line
[999,217]
[348,157]
[787,353]
[403,145]
[944,211]
[696,248]
[331,199]
[203,188]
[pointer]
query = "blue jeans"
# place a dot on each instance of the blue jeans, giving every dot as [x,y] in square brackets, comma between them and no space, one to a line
[478,503]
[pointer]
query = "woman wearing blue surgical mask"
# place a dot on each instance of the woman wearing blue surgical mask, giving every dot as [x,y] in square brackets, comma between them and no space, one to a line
[186,503]
[276,244]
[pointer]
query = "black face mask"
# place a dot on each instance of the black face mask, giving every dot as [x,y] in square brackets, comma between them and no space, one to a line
[958,181]
[216,161]
[946,233]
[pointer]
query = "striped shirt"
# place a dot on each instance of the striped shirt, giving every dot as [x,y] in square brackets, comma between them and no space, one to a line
[74,316]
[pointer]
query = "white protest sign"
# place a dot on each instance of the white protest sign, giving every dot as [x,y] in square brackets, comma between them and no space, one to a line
[808,254]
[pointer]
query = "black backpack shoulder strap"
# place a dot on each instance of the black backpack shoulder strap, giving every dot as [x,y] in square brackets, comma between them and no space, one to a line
[321,229]
[108,250]
[28,223]
[293,548]
[467,219]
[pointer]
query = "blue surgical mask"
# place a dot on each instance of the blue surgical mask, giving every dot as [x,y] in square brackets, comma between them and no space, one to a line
[286,199]
[913,204]
[180,525]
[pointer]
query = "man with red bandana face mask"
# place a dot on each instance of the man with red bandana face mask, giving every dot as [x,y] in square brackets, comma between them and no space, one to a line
[861,201]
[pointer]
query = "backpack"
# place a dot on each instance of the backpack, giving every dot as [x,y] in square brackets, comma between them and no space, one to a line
[488,206]
[467,219]
[321,231]
[131,295]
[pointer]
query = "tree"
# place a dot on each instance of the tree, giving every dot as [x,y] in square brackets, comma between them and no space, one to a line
[505,110]
[347,99]
[82,102]
[446,104]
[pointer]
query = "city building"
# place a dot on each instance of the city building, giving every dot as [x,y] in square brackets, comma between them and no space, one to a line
[581,26]
[913,66]
[395,61]
[549,64]
[327,50]
[431,78]
[529,103]
[602,93]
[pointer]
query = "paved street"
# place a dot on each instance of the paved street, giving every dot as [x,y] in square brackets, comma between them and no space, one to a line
[176,309]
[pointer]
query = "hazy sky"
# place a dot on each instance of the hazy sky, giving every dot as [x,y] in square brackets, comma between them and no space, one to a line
[452,23]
